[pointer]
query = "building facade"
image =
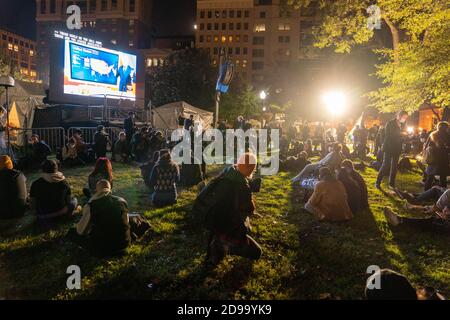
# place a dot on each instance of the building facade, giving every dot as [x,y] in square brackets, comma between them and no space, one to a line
[261,37]
[21,53]
[118,24]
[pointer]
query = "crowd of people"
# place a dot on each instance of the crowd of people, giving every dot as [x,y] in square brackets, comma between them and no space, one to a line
[224,205]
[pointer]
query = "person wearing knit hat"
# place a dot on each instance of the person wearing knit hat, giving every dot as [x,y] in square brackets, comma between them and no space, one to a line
[228,204]
[13,190]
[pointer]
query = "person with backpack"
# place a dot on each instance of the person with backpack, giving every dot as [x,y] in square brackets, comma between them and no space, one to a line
[436,156]
[224,207]
[13,190]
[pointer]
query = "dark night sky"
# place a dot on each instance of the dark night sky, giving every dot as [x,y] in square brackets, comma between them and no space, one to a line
[171,17]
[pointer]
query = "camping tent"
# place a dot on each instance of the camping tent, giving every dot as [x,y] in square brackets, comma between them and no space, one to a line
[167,116]
[23,99]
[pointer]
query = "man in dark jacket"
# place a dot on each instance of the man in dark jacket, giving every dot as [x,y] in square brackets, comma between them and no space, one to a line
[228,220]
[100,142]
[104,227]
[363,193]
[13,190]
[392,148]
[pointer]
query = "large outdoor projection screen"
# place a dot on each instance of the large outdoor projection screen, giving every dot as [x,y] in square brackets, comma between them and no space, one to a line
[94,72]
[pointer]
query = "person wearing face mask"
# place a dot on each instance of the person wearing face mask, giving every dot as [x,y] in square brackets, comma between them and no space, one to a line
[392,148]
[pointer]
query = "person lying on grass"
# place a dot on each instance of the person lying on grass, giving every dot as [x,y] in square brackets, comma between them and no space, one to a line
[329,199]
[332,160]
[432,194]
[437,216]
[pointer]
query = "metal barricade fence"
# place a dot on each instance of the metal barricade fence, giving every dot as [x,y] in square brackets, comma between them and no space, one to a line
[54,137]
[88,133]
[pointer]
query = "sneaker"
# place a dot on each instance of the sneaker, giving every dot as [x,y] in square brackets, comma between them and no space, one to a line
[391,217]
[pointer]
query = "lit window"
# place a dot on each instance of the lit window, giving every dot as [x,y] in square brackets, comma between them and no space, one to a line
[284,27]
[155,62]
[131,44]
[113,41]
[260,28]
[224,39]
[10,46]
[31,53]
[16,48]
[230,39]
[216,39]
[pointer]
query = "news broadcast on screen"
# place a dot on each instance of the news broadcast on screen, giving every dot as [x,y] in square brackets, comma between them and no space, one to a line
[92,71]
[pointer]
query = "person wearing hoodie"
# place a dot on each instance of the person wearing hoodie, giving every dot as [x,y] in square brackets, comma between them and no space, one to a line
[101,140]
[13,190]
[50,195]
[104,228]
[231,211]
[164,177]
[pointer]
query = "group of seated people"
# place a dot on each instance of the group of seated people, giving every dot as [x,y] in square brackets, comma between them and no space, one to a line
[339,191]
[105,228]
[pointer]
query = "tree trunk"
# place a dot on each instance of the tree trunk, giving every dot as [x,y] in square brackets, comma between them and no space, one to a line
[395,36]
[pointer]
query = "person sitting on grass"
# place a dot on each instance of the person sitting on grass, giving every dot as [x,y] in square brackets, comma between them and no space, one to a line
[164,177]
[329,199]
[40,151]
[437,217]
[395,286]
[121,149]
[101,140]
[104,228]
[364,195]
[432,194]
[332,160]
[353,191]
[230,206]
[13,190]
[50,195]
[102,171]
[146,170]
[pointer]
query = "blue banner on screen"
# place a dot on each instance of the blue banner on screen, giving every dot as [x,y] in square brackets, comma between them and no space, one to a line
[95,72]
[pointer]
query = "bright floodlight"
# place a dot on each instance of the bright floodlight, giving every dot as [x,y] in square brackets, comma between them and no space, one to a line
[335,101]
[410,130]
[263,95]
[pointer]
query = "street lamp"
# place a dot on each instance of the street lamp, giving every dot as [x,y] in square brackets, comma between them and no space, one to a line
[335,102]
[7,82]
[263,95]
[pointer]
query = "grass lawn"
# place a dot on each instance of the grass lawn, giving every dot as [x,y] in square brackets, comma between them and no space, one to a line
[302,259]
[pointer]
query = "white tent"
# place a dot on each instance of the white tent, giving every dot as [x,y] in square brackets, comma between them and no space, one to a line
[23,99]
[167,116]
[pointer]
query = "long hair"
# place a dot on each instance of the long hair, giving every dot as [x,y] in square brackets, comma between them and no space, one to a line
[103,166]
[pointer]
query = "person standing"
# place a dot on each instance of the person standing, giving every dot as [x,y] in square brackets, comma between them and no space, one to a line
[3,149]
[129,126]
[392,148]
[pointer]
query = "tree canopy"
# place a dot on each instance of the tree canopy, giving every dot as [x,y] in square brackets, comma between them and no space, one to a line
[414,64]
